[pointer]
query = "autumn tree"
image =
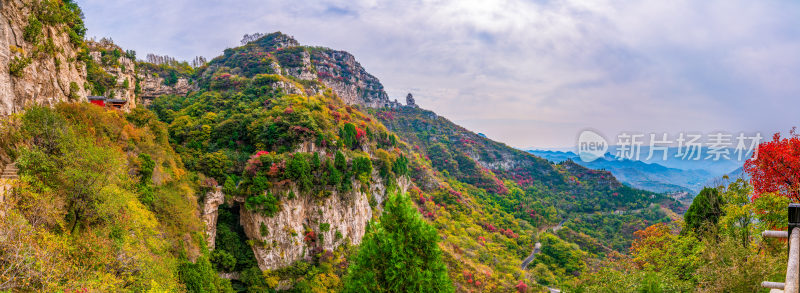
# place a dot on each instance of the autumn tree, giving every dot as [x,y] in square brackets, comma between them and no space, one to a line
[776,165]
[399,254]
[656,248]
[67,162]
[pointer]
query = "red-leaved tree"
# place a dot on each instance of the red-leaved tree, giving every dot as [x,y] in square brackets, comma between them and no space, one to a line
[775,167]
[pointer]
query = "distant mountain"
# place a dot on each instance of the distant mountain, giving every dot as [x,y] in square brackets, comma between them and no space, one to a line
[703,162]
[648,176]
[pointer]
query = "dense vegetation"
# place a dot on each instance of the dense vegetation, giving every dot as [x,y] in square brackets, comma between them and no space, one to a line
[128,185]
[102,204]
[726,254]
[245,124]
[399,254]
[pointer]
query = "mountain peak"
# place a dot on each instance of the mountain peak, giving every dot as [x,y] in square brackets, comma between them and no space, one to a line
[276,40]
[278,53]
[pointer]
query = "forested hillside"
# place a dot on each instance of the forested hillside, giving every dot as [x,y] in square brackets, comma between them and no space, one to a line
[102,203]
[281,167]
[267,127]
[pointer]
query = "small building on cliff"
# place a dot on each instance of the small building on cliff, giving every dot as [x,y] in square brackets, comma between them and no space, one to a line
[102,101]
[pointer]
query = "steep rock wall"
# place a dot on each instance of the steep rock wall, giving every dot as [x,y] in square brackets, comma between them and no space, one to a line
[153,87]
[48,79]
[124,74]
[341,72]
[283,242]
[211,203]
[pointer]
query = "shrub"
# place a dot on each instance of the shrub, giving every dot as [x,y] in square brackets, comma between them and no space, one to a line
[73,91]
[362,168]
[267,204]
[229,187]
[400,166]
[214,164]
[33,31]
[339,162]
[223,261]
[264,230]
[298,169]
[260,184]
[200,277]
[146,167]
[17,64]
[349,135]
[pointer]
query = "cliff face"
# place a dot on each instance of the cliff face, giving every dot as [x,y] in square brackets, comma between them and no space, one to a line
[284,238]
[305,224]
[123,70]
[126,80]
[50,77]
[153,86]
[339,71]
[211,203]
[42,65]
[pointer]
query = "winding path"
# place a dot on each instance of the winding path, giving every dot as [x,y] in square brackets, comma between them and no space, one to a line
[537,248]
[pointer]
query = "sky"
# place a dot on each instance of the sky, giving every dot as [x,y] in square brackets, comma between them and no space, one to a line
[526,73]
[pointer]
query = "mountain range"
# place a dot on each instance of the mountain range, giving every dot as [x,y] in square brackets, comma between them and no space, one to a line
[674,175]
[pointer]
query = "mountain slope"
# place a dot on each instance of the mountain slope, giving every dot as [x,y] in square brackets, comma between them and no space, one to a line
[270,96]
[292,218]
[288,152]
[102,204]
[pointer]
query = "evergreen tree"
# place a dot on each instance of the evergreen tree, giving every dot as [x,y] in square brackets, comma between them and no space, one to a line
[399,254]
[705,211]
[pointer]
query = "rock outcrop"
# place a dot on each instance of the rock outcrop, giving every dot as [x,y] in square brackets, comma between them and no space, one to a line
[410,101]
[153,87]
[277,53]
[306,223]
[49,78]
[211,203]
[339,71]
[123,71]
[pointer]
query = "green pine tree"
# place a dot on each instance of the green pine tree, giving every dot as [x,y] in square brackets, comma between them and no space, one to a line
[399,254]
[705,211]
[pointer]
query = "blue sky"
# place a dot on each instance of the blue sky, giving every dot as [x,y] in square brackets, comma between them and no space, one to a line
[527,73]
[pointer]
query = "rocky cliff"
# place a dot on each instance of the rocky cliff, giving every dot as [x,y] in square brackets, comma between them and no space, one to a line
[41,70]
[152,86]
[211,203]
[120,68]
[277,53]
[341,72]
[45,60]
[306,224]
